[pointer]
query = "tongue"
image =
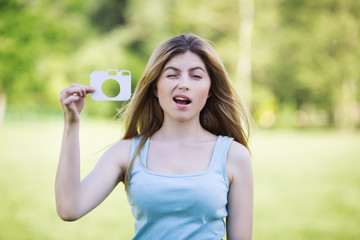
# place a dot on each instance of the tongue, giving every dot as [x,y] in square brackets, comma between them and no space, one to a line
[183,102]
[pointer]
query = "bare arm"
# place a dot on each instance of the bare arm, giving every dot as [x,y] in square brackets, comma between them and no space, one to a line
[240,201]
[75,198]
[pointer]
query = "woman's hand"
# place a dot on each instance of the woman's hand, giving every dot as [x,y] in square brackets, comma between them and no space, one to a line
[72,101]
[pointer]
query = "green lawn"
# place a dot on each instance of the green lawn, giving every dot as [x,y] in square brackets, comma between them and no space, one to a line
[307,184]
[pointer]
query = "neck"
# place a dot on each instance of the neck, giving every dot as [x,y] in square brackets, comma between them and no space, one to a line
[181,131]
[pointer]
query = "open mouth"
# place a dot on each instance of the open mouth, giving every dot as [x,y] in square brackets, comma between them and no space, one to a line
[182,100]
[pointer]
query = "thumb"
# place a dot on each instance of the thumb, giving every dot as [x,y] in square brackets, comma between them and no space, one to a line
[90,89]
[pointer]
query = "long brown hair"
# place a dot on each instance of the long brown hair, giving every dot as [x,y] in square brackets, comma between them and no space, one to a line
[223,113]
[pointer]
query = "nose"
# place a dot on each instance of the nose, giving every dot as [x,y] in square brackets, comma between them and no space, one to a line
[184,83]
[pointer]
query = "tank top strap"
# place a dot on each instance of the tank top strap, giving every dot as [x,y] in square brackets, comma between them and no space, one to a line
[218,161]
[135,143]
[143,153]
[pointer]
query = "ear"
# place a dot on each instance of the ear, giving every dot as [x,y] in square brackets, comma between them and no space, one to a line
[155,91]
[209,94]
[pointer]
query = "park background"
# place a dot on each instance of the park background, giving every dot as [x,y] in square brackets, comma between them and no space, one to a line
[294,62]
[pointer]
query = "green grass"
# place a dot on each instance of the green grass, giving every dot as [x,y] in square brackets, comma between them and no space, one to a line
[307,184]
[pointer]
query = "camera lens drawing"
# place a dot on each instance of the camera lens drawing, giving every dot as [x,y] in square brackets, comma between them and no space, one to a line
[110,88]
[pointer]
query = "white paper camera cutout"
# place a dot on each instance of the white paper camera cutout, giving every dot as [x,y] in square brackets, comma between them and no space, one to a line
[97,78]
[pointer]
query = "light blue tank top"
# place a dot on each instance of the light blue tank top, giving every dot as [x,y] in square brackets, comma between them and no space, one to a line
[179,207]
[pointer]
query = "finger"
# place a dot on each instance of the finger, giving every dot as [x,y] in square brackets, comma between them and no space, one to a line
[73,90]
[83,89]
[64,95]
[71,99]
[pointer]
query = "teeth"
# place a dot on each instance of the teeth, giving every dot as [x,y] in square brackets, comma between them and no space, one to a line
[181,98]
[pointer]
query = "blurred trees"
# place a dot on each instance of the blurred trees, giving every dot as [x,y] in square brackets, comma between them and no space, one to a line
[305,54]
[36,38]
[306,59]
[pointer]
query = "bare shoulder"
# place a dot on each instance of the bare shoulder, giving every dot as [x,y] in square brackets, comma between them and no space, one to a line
[120,152]
[238,154]
[238,161]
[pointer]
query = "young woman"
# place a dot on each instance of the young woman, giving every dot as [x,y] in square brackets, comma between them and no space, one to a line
[184,156]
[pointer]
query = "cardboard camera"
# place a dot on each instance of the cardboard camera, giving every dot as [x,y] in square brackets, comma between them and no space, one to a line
[97,78]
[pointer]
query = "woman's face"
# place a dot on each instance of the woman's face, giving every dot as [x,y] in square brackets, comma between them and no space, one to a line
[183,87]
